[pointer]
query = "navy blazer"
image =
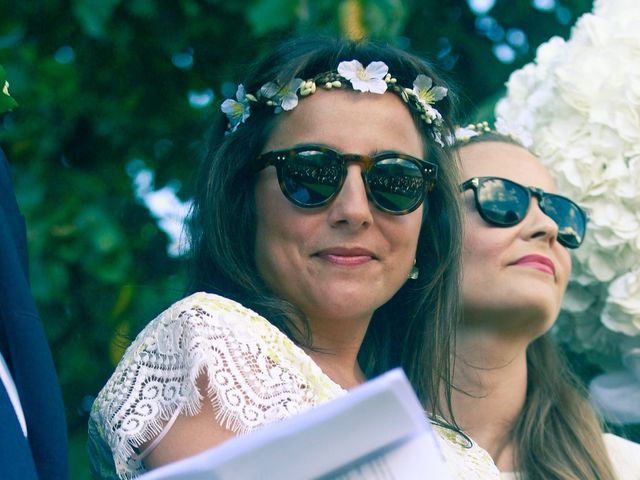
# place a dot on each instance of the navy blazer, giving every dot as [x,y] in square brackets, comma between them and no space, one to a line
[43,454]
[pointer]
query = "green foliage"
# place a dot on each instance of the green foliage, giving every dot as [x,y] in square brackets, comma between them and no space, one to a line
[6,100]
[106,82]
[269,15]
[384,18]
[94,15]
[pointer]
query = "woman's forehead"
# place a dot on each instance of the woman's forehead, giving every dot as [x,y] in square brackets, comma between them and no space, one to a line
[506,160]
[352,122]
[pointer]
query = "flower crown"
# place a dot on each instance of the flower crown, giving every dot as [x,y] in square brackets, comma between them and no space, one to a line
[501,127]
[375,78]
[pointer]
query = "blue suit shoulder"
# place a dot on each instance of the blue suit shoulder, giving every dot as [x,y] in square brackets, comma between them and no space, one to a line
[43,454]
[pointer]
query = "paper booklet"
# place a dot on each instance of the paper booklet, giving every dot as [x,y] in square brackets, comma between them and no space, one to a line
[377,431]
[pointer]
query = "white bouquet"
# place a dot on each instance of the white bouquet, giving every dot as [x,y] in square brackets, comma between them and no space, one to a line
[579,102]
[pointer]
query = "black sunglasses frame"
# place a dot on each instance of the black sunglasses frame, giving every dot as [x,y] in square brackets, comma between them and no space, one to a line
[476,182]
[279,158]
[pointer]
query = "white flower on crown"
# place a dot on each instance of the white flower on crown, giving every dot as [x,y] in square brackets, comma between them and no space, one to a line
[426,92]
[580,103]
[464,134]
[375,79]
[283,98]
[370,79]
[238,110]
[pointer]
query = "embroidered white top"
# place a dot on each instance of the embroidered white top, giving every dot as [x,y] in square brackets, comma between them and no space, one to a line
[256,375]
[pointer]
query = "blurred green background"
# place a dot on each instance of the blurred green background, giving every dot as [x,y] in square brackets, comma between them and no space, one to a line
[112,88]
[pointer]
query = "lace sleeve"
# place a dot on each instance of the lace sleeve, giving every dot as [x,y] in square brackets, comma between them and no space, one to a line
[256,375]
[466,461]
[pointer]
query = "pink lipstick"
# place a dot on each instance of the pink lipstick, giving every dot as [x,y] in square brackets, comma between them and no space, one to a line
[538,262]
[346,257]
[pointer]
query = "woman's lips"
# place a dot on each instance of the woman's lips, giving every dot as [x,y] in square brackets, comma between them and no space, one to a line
[347,257]
[539,262]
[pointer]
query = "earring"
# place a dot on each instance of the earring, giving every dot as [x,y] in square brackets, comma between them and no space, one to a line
[415,271]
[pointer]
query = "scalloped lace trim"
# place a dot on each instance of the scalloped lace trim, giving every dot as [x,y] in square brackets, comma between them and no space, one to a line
[256,376]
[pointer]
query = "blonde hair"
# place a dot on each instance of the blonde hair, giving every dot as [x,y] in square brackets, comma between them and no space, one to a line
[558,434]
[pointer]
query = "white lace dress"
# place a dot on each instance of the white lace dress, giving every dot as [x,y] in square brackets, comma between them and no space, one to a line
[256,376]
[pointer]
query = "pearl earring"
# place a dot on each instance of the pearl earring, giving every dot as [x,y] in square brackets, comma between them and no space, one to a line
[415,271]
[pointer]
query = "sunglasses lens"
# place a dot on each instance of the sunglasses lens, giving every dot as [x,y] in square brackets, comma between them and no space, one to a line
[501,202]
[396,185]
[311,178]
[572,223]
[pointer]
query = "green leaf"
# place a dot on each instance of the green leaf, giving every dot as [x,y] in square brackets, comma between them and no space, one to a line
[6,101]
[269,15]
[94,15]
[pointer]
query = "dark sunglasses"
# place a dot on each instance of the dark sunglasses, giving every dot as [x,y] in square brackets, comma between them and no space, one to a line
[311,176]
[504,203]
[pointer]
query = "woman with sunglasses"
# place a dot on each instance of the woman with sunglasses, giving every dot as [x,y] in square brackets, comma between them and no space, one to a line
[514,393]
[325,244]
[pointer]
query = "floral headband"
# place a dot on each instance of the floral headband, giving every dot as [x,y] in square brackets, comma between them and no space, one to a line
[501,127]
[375,78]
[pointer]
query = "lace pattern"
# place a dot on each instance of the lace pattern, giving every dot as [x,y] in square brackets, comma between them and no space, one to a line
[466,462]
[255,374]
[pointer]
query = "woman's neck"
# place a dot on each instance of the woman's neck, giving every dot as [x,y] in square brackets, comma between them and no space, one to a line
[343,370]
[490,380]
[335,350]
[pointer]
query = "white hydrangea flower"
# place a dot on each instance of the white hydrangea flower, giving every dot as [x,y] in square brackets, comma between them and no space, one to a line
[515,131]
[623,303]
[370,79]
[579,101]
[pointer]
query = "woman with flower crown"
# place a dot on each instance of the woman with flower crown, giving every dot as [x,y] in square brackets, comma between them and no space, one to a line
[325,246]
[514,392]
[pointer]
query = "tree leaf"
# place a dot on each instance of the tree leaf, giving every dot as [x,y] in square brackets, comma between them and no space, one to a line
[6,100]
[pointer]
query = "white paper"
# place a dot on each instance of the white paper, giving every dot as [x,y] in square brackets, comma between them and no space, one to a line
[377,431]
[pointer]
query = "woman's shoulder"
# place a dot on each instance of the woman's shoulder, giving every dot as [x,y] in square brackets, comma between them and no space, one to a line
[216,318]
[466,459]
[624,455]
[255,375]
[209,309]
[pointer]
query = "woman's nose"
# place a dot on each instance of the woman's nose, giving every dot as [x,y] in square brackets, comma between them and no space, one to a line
[351,206]
[538,225]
